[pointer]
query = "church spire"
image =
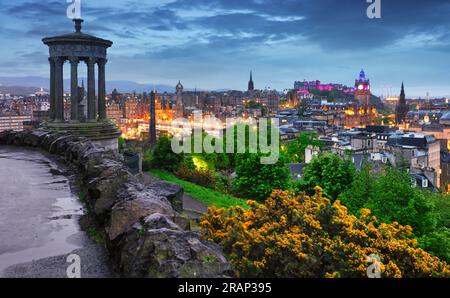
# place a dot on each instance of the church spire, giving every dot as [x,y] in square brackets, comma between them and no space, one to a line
[402,107]
[251,85]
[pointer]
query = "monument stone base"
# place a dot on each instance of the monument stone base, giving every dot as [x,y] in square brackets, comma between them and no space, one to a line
[103,135]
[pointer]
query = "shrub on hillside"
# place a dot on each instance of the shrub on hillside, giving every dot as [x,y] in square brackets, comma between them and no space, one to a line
[204,178]
[309,236]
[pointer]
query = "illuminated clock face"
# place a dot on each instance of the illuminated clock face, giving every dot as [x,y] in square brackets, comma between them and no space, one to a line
[360,87]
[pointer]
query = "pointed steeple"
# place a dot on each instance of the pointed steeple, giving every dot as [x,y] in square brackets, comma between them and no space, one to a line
[402,107]
[251,85]
[362,75]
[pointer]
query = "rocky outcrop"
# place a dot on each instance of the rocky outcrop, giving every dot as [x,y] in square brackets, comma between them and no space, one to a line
[156,247]
[146,234]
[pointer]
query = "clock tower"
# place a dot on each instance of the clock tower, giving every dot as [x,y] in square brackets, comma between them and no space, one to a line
[361,113]
[362,89]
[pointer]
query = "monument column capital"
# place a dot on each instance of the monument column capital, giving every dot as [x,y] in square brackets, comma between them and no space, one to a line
[74,60]
[57,60]
[91,61]
[102,62]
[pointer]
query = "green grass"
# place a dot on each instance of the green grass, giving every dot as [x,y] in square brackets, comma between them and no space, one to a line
[205,195]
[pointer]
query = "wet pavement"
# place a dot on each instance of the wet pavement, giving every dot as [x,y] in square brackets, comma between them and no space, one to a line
[39,215]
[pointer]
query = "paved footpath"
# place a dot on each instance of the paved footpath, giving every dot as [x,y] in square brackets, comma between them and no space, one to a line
[39,217]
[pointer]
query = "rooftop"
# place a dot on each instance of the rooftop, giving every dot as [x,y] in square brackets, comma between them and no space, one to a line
[409,140]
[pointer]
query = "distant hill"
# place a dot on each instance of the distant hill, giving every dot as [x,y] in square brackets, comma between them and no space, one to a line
[34,83]
[129,86]
[18,90]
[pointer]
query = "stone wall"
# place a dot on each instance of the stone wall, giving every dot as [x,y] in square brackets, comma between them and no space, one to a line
[146,234]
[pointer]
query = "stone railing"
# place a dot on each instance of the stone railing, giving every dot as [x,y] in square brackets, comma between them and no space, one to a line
[146,234]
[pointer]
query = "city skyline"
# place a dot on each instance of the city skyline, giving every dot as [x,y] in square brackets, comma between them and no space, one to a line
[213,45]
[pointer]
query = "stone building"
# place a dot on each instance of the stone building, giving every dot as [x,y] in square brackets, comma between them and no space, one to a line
[421,151]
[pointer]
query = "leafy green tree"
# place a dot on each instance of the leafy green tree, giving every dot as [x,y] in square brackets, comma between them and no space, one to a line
[231,158]
[257,181]
[333,174]
[163,156]
[361,190]
[215,161]
[437,243]
[295,149]
[394,199]
[391,198]
[441,208]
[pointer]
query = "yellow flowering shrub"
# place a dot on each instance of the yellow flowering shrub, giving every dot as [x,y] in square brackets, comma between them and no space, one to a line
[308,236]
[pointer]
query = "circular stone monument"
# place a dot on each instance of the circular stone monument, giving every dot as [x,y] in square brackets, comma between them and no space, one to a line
[86,119]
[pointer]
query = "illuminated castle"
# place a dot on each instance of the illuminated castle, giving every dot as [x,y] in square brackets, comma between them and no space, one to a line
[362,113]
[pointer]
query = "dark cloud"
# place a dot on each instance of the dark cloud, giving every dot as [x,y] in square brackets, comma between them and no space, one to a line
[338,25]
[333,24]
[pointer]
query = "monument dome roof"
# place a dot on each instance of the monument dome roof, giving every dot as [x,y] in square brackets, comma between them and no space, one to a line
[77,37]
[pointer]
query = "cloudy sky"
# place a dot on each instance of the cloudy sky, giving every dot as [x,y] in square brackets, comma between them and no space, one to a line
[213,44]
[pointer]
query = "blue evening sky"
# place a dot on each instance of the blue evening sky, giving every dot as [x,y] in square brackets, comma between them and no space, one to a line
[213,44]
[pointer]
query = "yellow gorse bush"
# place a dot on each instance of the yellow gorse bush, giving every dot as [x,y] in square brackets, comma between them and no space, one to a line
[308,236]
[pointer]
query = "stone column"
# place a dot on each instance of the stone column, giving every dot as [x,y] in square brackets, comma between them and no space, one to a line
[59,89]
[74,89]
[92,115]
[101,89]
[152,128]
[52,89]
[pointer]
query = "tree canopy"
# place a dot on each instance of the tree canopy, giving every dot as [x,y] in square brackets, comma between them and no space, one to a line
[328,171]
[295,149]
[391,197]
[255,180]
[163,156]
